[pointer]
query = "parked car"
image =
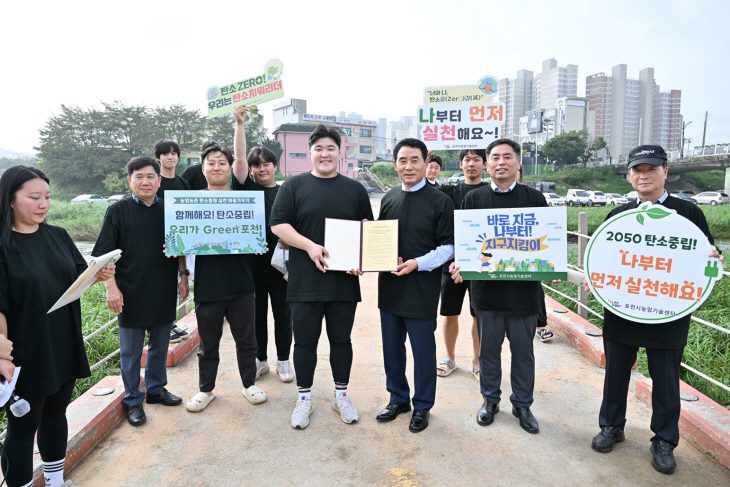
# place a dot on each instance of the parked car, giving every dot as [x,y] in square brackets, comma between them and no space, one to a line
[554,199]
[686,192]
[457,178]
[616,199]
[370,190]
[115,197]
[711,198]
[596,198]
[684,197]
[631,195]
[89,198]
[576,197]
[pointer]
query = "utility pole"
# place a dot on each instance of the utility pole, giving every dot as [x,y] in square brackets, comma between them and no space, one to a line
[684,126]
[704,131]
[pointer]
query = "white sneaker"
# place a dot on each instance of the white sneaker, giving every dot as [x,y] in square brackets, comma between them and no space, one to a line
[347,411]
[300,416]
[283,368]
[261,367]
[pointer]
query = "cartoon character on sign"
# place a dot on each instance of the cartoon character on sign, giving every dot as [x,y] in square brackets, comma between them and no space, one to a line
[488,85]
[484,258]
[213,93]
[273,70]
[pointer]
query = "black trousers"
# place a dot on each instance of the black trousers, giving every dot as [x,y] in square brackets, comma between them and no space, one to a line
[394,329]
[520,332]
[542,315]
[282,320]
[240,314]
[664,372]
[47,416]
[307,317]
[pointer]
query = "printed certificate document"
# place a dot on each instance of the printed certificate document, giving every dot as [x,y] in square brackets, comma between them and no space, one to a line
[370,246]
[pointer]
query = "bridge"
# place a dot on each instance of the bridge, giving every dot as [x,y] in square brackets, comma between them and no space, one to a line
[706,159]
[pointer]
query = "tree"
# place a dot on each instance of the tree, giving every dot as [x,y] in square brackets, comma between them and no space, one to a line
[274,145]
[88,149]
[566,149]
[221,130]
[447,156]
[186,127]
[116,184]
[597,144]
[78,148]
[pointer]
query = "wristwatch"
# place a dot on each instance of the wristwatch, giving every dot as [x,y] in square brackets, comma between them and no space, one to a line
[186,272]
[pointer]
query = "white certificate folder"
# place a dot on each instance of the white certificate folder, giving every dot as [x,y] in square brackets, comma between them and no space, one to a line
[369,246]
[86,279]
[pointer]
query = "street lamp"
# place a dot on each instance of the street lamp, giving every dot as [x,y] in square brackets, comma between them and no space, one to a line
[681,149]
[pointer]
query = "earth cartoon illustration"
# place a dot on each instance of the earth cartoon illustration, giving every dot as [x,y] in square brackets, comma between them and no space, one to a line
[273,70]
[489,85]
[213,93]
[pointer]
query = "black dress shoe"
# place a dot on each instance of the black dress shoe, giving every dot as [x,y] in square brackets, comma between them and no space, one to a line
[165,398]
[609,435]
[419,421]
[485,415]
[663,460]
[392,411]
[136,415]
[527,420]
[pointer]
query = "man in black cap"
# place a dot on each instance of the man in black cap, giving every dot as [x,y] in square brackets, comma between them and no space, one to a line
[664,343]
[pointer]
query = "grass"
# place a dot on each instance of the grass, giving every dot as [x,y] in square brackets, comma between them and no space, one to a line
[718,218]
[81,221]
[707,350]
[601,178]
[706,180]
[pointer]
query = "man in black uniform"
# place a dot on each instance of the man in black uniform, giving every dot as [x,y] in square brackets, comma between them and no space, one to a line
[297,218]
[194,174]
[664,342]
[452,294]
[256,172]
[167,153]
[408,297]
[505,306]
[136,225]
[433,169]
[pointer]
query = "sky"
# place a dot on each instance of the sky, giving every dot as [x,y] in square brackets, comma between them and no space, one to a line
[373,58]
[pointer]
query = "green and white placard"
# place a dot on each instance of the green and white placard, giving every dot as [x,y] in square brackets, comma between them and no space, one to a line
[528,244]
[214,222]
[650,265]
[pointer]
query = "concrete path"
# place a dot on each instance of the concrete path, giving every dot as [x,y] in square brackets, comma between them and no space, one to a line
[235,443]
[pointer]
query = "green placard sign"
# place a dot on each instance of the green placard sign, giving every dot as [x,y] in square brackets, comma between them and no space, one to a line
[251,91]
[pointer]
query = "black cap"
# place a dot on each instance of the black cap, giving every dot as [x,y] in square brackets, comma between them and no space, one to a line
[647,154]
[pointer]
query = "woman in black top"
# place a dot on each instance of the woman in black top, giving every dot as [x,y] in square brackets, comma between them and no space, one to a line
[38,262]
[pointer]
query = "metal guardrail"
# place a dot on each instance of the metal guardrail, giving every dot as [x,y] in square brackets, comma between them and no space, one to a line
[582,301]
[182,307]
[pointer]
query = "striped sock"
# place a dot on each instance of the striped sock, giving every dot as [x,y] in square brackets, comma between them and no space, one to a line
[53,472]
[305,394]
[340,389]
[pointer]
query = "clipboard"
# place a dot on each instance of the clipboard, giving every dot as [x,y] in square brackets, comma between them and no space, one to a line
[369,246]
[86,279]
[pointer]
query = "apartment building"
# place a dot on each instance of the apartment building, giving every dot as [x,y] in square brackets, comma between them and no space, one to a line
[528,92]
